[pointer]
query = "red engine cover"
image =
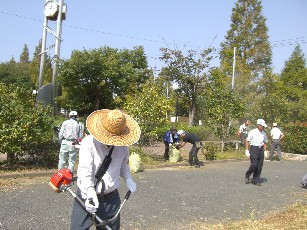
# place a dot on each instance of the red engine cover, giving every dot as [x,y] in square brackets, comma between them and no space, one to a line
[63,176]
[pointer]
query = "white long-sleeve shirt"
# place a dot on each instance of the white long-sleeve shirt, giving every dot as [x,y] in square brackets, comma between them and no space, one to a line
[91,156]
[70,130]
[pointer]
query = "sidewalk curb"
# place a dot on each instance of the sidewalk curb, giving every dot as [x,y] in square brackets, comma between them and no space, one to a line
[51,172]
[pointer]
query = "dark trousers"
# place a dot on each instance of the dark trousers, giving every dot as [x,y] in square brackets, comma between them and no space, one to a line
[166,151]
[256,158]
[193,159]
[81,219]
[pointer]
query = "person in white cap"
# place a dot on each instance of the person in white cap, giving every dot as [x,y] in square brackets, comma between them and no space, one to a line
[70,133]
[243,131]
[111,132]
[197,144]
[257,139]
[276,137]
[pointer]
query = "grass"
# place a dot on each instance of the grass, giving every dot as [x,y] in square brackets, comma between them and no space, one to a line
[292,218]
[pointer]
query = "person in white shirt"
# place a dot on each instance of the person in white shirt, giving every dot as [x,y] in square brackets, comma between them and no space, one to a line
[276,137]
[243,131]
[257,140]
[111,132]
[69,135]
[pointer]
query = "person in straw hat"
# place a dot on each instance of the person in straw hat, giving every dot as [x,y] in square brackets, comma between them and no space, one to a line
[111,132]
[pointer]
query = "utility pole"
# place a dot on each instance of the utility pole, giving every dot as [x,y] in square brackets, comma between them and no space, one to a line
[233,76]
[233,68]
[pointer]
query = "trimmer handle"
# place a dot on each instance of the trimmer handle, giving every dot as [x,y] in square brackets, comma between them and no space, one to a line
[127,195]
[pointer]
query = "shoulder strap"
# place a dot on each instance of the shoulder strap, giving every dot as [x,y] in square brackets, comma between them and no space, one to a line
[104,166]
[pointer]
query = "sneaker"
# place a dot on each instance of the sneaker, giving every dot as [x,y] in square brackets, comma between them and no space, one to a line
[247,181]
[197,166]
[280,161]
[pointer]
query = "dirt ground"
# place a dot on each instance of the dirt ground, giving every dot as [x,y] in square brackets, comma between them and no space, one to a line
[158,150]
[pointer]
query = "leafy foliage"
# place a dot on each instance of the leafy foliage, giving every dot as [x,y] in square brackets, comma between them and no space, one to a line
[16,73]
[222,105]
[149,107]
[295,140]
[23,125]
[93,79]
[188,72]
[293,88]
[253,58]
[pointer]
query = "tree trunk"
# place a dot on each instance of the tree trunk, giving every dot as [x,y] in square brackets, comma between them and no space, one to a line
[191,114]
[10,157]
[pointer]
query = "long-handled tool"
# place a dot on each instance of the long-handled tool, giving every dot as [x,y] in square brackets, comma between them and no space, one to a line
[61,182]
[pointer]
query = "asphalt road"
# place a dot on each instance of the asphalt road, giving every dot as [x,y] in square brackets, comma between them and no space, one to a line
[168,198]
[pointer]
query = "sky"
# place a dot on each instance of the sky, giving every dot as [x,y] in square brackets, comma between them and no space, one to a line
[176,24]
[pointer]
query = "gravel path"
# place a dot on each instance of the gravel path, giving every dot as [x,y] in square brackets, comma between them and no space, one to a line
[168,198]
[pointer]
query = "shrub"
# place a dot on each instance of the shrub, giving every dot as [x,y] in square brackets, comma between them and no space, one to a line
[295,139]
[210,150]
[24,125]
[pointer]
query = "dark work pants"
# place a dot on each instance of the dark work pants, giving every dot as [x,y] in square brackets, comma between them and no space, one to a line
[166,152]
[256,158]
[193,159]
[81,219]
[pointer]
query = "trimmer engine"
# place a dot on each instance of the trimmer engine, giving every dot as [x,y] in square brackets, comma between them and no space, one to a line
[61,180]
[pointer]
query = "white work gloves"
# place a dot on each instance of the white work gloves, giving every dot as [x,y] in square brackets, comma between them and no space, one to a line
[247,153]
[91,203]
[131,184]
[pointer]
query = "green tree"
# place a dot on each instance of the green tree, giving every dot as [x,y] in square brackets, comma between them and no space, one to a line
[149,106]
[294,86]
[24,56]
[248,33]
[222,105]
[16,73]
[92,79]
[188,72]
[23,125]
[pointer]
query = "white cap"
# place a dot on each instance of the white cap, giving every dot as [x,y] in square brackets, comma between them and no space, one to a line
[73,113]
[274,124]
[180,132]
[261,122]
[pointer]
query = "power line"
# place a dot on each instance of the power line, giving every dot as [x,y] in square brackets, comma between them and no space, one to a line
[278,43]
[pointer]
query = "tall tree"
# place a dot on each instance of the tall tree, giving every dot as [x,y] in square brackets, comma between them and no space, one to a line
[188,72]
[24,56]
[16,73]
[248,33]
[222,105]
[294,85]
[92,79]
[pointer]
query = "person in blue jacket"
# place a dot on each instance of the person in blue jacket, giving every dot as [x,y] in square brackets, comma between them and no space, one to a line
[170,137]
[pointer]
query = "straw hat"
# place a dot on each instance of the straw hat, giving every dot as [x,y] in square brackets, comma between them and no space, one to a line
[112,127]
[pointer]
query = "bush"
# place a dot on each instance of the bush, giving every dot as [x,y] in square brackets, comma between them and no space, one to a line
[295,139]
[210,150]
[24,124]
